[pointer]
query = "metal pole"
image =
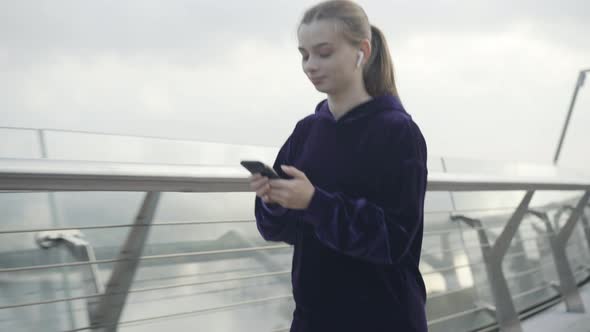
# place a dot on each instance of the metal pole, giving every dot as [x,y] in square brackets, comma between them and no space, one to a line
[567,283]
[57,222]
[579,83]
[493,255]
[106,312]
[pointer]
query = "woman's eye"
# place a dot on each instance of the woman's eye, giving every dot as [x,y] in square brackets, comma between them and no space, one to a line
[325,55]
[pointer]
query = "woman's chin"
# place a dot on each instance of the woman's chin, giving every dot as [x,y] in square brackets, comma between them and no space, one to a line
[322,88]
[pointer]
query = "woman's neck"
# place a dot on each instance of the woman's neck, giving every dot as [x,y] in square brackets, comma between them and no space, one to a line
[345,101]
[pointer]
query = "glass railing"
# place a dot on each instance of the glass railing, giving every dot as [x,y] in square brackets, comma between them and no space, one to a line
[205,265]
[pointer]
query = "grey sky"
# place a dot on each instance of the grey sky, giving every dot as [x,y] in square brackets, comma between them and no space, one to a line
[483,79]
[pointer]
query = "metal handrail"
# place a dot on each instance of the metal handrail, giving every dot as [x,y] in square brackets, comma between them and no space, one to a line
[64,175]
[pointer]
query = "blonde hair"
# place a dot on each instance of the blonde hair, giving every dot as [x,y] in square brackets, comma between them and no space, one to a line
[354,23]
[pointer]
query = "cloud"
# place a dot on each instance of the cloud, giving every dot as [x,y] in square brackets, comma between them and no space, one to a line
[141,26]
[501,89]
[477,75]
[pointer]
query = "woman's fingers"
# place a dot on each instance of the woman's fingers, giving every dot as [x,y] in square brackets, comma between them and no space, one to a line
[263,191]
[256,183]
[261,185]
[277,195]
[255,176]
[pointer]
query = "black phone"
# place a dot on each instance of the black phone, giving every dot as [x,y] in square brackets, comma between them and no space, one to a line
[255,166]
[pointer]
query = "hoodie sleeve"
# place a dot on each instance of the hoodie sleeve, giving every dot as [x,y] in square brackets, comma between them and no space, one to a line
[380,231]
[275,222]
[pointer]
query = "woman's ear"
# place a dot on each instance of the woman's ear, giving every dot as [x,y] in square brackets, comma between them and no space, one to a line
[365,47]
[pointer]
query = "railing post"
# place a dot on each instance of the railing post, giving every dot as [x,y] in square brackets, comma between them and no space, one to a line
[586,225]
[443,262]
[583,219]
[493,256]
[57,222]
[108,310]
[568,287]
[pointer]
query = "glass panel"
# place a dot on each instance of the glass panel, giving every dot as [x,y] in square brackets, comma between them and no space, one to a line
[528,265]
[19,143]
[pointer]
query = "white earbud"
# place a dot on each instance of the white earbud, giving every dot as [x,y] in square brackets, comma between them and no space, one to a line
[360,58]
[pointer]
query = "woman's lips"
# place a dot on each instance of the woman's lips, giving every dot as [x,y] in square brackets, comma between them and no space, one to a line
[317,80]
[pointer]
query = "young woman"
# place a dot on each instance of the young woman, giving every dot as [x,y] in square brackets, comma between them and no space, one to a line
[351,200]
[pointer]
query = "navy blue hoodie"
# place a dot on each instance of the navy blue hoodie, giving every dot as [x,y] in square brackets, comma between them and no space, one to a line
[357,246]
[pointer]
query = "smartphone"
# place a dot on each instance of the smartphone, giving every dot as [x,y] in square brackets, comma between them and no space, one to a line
[259,167]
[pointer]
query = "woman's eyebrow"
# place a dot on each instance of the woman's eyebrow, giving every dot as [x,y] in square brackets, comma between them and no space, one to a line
[318,45]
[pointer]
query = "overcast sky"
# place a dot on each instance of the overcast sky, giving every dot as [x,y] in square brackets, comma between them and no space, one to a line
[483,79]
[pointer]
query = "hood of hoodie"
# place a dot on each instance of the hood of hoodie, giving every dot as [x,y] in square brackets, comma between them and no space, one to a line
[372,106]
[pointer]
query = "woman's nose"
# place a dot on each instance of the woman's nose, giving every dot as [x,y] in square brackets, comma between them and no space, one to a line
[310,66]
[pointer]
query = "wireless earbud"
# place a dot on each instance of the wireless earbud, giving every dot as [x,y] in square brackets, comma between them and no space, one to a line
[360,58]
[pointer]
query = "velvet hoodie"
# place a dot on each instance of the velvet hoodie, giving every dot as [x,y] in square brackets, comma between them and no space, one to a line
[357,245]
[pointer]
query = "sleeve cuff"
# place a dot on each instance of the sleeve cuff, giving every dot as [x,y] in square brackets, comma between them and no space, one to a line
[273,209]
[318,206]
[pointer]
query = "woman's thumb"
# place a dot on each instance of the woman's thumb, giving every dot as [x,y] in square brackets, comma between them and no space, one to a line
[292,171]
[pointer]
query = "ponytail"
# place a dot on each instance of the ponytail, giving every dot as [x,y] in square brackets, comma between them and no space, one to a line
[378,73]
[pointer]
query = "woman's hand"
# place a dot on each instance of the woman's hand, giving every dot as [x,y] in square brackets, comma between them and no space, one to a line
[293,194]
[260,185]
